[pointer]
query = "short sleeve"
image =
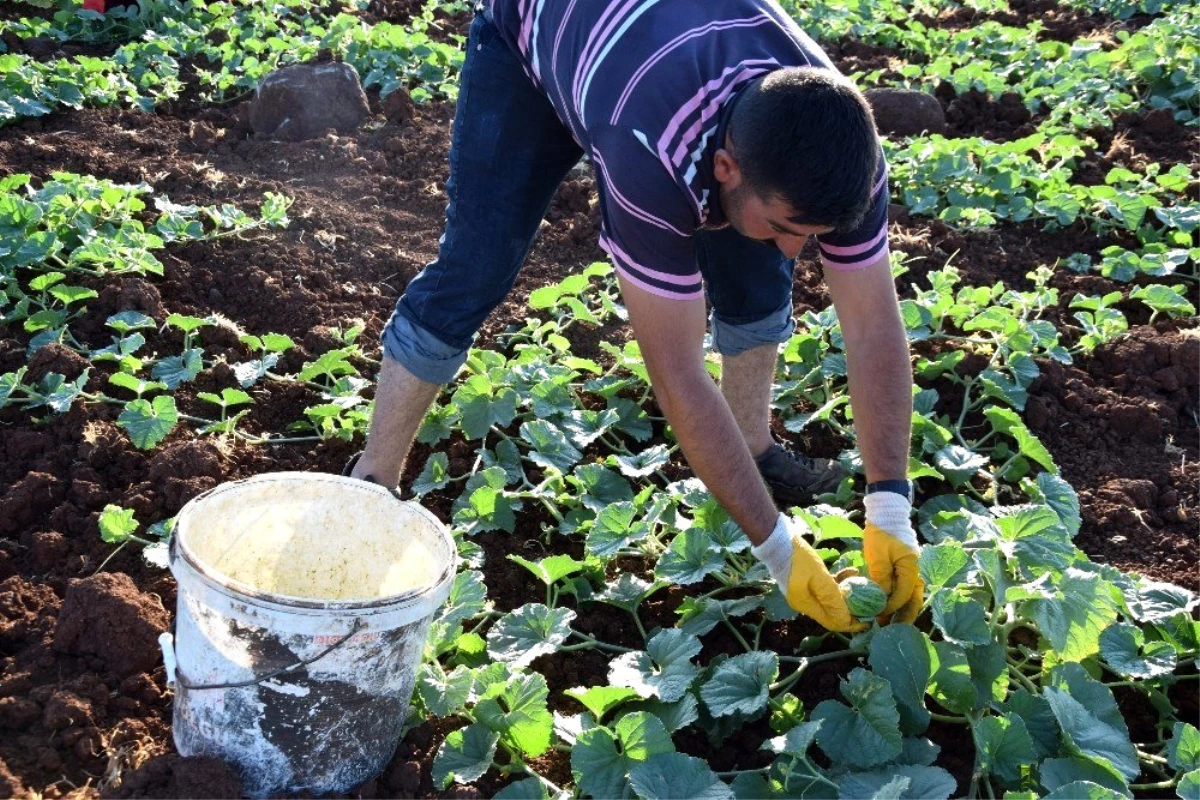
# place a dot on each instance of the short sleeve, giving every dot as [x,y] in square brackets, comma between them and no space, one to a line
[867,243]
[647,222]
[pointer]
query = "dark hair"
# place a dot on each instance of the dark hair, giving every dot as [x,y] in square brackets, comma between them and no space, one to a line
[807,135]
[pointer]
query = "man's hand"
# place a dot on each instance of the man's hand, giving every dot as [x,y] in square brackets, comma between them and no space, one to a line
[804,579]
[891,550]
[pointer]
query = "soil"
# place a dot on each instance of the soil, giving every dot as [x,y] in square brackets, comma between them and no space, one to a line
[82,717]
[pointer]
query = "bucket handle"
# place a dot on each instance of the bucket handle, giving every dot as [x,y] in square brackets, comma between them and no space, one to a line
[174,676]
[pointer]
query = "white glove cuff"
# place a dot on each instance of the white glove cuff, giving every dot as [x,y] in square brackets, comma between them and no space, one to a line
[890,513]
[776,551]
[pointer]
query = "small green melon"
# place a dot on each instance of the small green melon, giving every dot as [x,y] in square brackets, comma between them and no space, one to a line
[864,597]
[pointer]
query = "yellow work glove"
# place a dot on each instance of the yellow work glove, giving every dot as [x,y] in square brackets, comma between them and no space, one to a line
[890,548]
[804,578]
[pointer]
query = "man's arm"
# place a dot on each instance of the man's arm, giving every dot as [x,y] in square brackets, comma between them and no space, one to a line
[878,366]
[671,336]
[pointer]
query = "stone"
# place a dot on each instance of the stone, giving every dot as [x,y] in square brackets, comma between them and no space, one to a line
[1160,122]
[905,112]
[398,107]
[305,100]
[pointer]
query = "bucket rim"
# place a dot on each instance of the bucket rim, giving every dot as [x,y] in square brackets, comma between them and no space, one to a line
[435,590]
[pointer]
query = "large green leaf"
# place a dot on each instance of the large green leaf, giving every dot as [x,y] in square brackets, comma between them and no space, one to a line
[958,463]
[1007,421]
[903,655]
[601,699]
[149,423]
[1090,721]
[740,684]
[1002,747]
[1124,648]
[600,487]
[528,632]
[665,670]
[179,369]
[465,755]
[527,789]
[675,776]
[639,465]
[690,558]
[866,733]
[468,597]
[551,448]
[601,759]
[1189,786]
[481,405]
[1084,790]
[517,711]
[951,684]
[1082,608]
[699,616]
[961,620]
[921,783]
[444,694]
[942,564]
[1038,718]
[1061,497]
[1058,772]
[614,529]
[549,570]
[1183,749]
[434,475]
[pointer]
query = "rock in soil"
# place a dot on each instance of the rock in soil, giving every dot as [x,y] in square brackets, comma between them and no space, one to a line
[305,100]
[106,616]
[905,112]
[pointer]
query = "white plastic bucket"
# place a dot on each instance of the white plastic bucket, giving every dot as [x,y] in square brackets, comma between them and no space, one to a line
[312,593]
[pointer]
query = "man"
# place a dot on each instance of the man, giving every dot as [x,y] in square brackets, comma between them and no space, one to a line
[722,139]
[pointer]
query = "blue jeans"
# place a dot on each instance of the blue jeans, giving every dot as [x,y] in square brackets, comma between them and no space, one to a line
[508,154]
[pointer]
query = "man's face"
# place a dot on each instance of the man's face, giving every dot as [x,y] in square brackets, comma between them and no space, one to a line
[755,217]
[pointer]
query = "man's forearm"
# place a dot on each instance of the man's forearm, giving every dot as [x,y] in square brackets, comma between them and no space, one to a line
[715,449]
[880,377]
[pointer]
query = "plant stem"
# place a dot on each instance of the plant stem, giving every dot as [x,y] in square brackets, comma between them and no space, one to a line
[1145,787]
[957,720]
[589,641]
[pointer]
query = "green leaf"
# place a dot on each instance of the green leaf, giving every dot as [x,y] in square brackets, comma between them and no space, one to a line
[59,393]
[1189,786]
[1183,748]
[444,695]
[690,558]
[1058,772]
[1007,421]
[740,684]
[1002,747]
[434,475]
[699,616]
[921,783]
[902,655]
[951,684]
[664,670]
[179,369]
[1159,602]
[1163,298]
[961,619]
[941,564]
[481,406]
[1091,731]
[530,631]
[117,524]
[958,463]
[600,487]
[517,711]
[867,732]
[187,324]
[552,569]
[601,699]
[639,465]
[468,597]
[672,776]
[601,769]
[1082,608]
[487,509]
[1038,718]
[550,445]
[1124,649]
[1061,497]
[465,755]
[149,423]
[614,530]
[627,593]
[1083,790]
[527,789]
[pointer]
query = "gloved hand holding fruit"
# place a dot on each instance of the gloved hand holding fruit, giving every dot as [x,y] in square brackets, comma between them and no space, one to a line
[895,591]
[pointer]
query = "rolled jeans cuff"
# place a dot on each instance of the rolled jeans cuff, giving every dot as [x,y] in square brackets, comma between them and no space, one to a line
[735,338]
[420,352]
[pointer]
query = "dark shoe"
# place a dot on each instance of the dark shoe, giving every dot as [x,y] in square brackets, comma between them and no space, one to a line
[349,468]
[795,479]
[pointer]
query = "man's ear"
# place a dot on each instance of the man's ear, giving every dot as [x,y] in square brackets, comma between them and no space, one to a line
[726,169]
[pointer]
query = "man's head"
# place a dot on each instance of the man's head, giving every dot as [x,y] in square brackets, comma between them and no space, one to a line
[799,157]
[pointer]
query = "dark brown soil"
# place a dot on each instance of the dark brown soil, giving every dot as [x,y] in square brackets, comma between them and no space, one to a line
[80,717]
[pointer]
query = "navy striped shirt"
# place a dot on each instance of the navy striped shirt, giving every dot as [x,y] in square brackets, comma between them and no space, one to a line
[643,86]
